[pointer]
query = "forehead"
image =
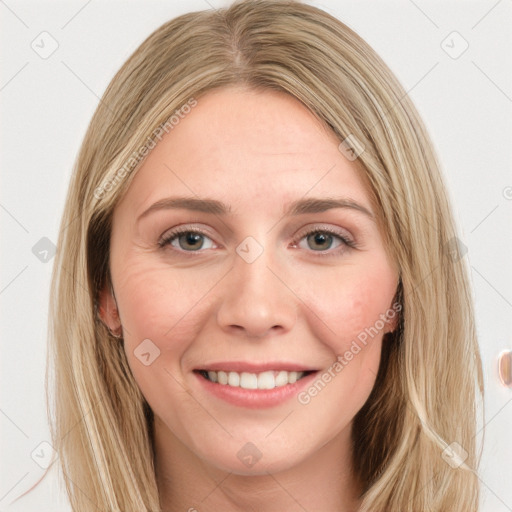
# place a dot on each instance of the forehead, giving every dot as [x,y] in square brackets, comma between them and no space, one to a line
[242,145]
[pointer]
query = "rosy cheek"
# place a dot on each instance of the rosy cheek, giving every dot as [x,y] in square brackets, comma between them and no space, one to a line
[349,306]
[164,307]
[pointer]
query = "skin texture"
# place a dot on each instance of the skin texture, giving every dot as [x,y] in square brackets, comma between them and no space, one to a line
[255,151]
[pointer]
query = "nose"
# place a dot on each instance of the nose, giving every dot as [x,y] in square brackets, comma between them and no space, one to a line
[256,300]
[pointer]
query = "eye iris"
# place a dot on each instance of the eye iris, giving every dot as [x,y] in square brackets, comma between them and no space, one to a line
[320,239]
[194,240]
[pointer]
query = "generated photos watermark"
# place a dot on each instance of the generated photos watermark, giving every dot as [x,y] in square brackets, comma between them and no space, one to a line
[305,397]
[138,155]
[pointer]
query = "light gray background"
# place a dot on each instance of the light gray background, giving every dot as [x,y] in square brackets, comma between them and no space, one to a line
[46,105]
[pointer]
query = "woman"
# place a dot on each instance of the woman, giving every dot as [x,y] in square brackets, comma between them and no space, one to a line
[258,300]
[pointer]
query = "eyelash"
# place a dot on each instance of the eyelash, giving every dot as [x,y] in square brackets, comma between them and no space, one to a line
[347,243]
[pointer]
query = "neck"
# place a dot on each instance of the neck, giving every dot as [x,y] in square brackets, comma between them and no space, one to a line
[322,482]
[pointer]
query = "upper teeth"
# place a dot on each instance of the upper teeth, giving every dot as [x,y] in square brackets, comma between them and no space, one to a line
[264,380]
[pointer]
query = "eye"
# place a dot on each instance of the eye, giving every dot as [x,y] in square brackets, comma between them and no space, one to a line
[320,240]
[187,240]
[324,239]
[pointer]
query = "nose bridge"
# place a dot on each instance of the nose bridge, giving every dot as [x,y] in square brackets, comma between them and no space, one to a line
[255,299]
[252,272]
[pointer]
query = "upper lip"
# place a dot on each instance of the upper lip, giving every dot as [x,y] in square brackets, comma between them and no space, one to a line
[241,366]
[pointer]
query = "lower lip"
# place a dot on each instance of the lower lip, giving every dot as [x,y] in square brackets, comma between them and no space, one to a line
[255,398]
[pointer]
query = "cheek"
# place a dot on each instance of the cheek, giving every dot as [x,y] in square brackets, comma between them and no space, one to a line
[167,308]
[348,303]
[344,309]
[159,302]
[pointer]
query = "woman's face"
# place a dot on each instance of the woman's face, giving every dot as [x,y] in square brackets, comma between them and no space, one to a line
[246,290]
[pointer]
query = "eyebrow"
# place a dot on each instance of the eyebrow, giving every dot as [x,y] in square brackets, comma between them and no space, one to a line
[215,207]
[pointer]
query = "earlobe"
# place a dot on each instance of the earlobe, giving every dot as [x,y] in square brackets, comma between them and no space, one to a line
[108,311]
[391,324]
[395,310]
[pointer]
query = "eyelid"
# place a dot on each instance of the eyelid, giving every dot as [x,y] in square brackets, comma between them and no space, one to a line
[315,228]
[347,242]
[176,231]
[343,235]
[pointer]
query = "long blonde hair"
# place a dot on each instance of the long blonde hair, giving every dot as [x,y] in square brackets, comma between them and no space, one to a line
[422,410]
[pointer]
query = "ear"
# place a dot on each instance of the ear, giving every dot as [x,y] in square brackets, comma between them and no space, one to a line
[392,323]
[107,309]
[394,312]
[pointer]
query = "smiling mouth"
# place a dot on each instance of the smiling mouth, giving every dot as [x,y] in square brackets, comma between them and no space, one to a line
[264,380]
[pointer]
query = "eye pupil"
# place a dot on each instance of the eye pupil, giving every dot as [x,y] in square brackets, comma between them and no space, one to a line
[320,239]
[194,240]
